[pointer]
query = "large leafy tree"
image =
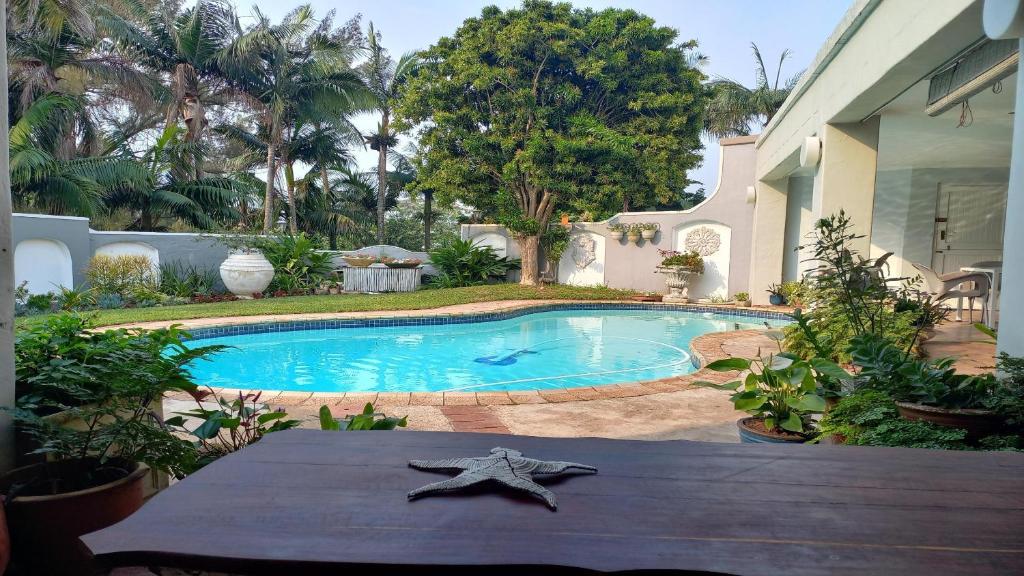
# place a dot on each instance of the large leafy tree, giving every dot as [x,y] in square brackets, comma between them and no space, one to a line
[734,107]
[546,107]
[386,79]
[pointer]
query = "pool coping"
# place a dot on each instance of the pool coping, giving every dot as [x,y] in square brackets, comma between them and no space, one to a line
[705,348]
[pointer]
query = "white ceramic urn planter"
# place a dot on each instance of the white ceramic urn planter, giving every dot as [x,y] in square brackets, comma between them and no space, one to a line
[246,274]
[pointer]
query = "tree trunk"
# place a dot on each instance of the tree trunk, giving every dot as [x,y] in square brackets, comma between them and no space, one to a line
[289,179]
[6,273]
[382,174]
[268,199]
[428,217]
[325,186]
[529,253]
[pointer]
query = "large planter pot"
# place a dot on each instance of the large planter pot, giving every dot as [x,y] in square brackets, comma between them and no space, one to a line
[776,300]
[45,529]
[752,433]
[246,274]
[977,423]
[677,280]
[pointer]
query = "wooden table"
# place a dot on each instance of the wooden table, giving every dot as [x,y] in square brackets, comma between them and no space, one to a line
[310,502]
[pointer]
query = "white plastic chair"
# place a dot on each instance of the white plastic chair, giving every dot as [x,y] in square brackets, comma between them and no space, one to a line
[949,286]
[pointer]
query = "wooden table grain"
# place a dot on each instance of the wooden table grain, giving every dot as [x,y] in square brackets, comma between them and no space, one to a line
[310,502]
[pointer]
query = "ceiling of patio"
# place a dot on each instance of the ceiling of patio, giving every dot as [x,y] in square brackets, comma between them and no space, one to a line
[910,138]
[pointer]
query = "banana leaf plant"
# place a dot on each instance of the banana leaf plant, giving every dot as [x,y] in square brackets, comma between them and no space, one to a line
[780,389]
[367,420]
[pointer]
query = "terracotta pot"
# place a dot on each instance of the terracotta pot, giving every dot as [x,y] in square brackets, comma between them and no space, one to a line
[977,423]
[357,262]
[45,529]
[750,435]
[244,274]
[646,298]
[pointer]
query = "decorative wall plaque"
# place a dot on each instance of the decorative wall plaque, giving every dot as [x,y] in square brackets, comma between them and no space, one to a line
[584,250]
[703,241]
[504,466]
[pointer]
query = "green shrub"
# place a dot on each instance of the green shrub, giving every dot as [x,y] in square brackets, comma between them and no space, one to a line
[462,263]
[40,302]
[123,275]
[185,281]
[298,264]
[367,420]
[690,260]
[108,380]
[870,418]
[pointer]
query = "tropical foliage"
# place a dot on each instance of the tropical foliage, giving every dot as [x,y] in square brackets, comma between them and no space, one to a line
[734,107]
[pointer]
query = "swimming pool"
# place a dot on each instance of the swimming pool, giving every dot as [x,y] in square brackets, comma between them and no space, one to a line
[560,348]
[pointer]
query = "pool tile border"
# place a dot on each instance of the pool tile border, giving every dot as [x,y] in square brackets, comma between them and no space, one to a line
[202,333]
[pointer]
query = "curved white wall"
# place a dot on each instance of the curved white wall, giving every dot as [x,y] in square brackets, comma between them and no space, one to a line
[44,264]
[715,280]
[582,263]
[131,249]
[494,240]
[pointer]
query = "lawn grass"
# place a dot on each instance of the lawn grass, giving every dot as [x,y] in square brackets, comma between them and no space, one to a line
[418,300]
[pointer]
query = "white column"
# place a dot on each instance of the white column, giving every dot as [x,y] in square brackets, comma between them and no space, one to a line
[1005,19]
[6,267]
[845,178]
[769,237]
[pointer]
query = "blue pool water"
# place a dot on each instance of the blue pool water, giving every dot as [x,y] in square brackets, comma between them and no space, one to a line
[554,349]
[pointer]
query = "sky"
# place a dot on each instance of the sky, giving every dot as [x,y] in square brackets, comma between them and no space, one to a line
[724,30]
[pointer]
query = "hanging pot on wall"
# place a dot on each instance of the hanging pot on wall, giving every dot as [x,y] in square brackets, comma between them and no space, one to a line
[245,274]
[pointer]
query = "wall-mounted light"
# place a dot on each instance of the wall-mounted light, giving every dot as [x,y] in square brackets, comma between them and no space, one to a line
[810,152]
[751,194]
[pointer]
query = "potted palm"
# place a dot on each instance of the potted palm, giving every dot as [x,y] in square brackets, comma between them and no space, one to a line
[90,403]
[780,394]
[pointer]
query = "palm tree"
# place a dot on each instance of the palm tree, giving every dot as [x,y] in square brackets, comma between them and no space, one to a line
[733,106]
[385,79]
[181,45]
[293,72]
[53,50]
[166,194]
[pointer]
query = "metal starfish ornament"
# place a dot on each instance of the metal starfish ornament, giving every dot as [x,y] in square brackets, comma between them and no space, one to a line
[504,466]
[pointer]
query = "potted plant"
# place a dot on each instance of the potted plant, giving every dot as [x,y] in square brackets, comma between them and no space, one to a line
[930,389]
[359,260]
[616,231]
[776,296]
[402,262]
[678,268]
[780,394]
[648,230]
[90,401]
[742,298]
[633,233]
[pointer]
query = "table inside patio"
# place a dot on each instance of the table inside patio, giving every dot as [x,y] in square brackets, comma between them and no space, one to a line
[310,502]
